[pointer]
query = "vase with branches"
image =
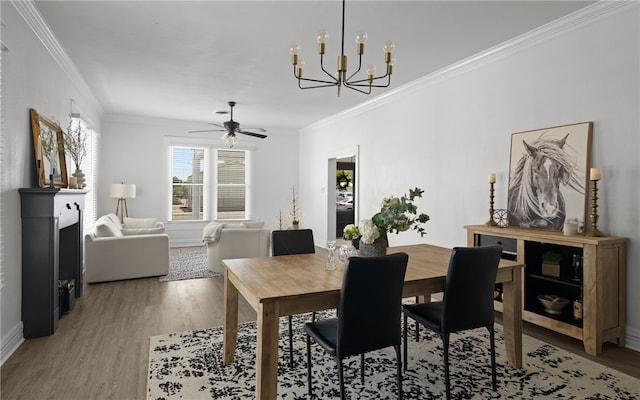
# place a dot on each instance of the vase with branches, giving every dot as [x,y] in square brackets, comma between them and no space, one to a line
[294,210]
[75,145]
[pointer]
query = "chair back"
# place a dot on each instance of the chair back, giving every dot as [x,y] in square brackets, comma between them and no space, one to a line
[370,304]
[469,287]
[295,241]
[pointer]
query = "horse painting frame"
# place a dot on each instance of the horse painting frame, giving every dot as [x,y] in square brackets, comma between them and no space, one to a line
[548,176]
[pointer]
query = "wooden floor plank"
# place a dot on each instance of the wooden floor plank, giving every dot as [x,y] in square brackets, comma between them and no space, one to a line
[100,350]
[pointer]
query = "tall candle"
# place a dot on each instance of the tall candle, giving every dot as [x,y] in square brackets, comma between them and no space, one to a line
[492,178]
[595,174]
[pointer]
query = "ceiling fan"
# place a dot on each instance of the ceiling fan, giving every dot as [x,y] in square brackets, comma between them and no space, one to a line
[231,128]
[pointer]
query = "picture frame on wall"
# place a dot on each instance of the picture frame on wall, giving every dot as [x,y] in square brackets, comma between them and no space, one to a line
[548,176]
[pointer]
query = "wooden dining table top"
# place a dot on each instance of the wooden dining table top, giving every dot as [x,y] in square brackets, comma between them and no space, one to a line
[302,275]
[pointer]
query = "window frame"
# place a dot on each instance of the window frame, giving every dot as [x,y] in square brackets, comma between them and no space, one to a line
[210,184]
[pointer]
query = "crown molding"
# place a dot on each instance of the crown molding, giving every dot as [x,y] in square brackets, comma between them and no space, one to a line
[575,20]
[34,20]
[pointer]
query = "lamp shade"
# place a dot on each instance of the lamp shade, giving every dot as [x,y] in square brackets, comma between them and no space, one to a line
[122,190]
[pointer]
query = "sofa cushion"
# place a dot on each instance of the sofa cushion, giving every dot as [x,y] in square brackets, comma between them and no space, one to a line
[140,223]
[254,225]
[142,231]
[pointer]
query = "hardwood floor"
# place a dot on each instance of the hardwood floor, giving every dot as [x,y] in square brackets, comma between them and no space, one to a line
[100,350]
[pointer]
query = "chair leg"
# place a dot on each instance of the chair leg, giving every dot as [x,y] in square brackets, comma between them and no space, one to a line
[493,358]
[362,368]
[417,324]
[341,377]
[309,364]
[399,371]
[404,344]
[290,342]
[445,341]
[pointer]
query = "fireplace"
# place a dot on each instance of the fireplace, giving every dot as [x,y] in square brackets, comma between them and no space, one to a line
[51,252]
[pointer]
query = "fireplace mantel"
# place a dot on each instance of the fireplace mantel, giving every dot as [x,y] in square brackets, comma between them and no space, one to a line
[51,251]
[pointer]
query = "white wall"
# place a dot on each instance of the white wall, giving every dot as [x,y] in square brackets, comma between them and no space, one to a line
[135,150]
[31,78]
[447,132]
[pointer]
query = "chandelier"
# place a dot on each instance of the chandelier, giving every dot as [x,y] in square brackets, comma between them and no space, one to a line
[340,78]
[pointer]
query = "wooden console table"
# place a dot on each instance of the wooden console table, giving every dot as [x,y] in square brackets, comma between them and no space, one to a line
[51,251]
[602,284]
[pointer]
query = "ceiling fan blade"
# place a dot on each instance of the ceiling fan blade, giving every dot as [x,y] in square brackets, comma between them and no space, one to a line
[209,130]
[258,135]
[218,125]
[255,129]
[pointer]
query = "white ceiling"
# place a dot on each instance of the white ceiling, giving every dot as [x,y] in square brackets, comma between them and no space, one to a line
[186,59]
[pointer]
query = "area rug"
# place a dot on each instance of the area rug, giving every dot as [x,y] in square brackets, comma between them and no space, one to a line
[188,365]
[187,263]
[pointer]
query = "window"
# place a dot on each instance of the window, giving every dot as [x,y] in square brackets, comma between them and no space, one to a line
[231,188]
[208,183]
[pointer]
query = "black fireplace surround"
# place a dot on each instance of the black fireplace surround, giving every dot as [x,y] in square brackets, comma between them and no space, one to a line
[51,252]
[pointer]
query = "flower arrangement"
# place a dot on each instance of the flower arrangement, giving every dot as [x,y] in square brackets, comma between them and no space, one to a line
[396,215]
[350,232]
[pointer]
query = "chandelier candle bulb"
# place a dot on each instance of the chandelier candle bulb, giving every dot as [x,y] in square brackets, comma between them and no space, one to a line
[492,178]
[595,174]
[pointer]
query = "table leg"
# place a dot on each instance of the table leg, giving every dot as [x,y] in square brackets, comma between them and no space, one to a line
[230,320]
[267,362]
[512,318]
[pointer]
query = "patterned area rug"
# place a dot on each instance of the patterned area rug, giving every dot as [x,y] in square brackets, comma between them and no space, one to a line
[188,365]
[187,263]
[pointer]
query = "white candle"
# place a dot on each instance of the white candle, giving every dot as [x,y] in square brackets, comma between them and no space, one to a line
[492,178]
[595,174]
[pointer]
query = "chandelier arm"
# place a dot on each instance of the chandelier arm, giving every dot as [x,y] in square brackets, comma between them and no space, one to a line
[353,87]
[358,70]
[325,84]
[325,71]
[373,79]
[371,85]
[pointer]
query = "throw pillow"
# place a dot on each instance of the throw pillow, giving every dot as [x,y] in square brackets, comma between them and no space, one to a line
[139,223]
[254,225]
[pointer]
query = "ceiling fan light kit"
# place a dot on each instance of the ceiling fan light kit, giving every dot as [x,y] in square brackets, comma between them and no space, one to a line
[231,128]
[340,78]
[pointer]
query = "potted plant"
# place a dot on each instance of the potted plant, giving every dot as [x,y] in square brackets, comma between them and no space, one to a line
[551,263]
[351,232]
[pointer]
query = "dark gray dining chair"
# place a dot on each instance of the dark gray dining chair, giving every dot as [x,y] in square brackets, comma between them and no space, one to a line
[467,302]
[368,315]
[295,241]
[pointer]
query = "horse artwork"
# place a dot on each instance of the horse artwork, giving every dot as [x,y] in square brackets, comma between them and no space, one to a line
[547,181]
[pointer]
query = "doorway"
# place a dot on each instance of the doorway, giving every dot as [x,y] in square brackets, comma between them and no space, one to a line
[345,193]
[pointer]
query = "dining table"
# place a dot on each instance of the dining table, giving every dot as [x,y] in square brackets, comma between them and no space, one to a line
[295,284]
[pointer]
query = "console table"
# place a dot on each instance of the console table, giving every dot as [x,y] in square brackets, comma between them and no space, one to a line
[51,251]
[601,284]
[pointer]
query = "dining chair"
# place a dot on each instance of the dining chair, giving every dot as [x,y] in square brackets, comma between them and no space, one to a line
[368,315]
[467,302]
[294,241]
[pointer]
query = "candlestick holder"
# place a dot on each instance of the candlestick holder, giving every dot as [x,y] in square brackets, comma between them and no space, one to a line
[594,210]
[491,222]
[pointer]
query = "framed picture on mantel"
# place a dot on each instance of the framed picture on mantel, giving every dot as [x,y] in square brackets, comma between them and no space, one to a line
[548,181]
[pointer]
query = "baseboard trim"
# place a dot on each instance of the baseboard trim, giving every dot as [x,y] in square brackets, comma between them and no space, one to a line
[11,342]
[633,339]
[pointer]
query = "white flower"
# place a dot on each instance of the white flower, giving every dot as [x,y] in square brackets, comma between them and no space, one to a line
[368,231]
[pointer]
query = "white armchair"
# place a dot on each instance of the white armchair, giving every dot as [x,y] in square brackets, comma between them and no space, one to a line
[113,252]
[249,239]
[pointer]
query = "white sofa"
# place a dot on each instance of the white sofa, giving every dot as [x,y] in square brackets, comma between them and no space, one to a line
[227,241]
[113,252]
